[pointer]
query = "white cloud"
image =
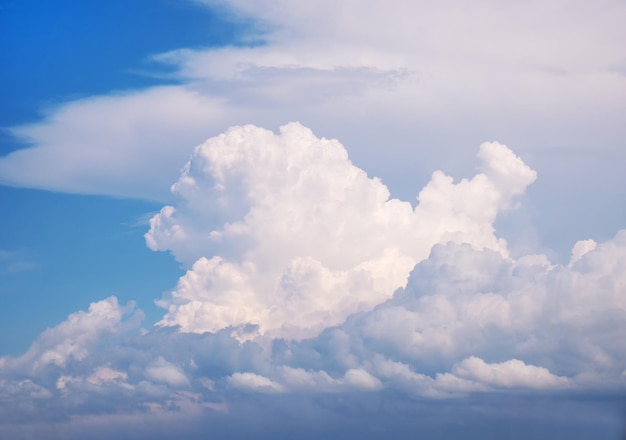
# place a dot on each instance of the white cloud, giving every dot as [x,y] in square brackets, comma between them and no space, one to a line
[581,248]
[401,376]
[106,374]
[102,376]
[131,145]
[470,375]
[509,374]
[558,325]
[362,380]
[301,379]
[469,321]
[255,382]
[288,379]
[165,372]
[285,233]
[76,337]
[447,76]
[22,390]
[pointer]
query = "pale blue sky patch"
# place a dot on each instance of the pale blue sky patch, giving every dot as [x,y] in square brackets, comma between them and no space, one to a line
[15,261]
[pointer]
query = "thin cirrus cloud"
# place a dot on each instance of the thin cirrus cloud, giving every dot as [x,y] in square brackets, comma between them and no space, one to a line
[303,314]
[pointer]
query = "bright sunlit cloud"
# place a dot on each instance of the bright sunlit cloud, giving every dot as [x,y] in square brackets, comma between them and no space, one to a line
[284,232]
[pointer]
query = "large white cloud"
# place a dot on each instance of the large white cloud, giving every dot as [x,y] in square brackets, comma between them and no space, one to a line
[470,321]
[285,233]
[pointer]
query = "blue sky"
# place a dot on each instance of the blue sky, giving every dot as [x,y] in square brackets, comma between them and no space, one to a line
[270,218]
[56,52]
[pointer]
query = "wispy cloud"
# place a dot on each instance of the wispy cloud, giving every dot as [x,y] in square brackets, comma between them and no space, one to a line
[440,73]
[15,261]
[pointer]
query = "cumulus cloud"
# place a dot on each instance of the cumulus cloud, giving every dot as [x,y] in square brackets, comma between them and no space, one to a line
[285,238]
[162,371]
[255,382]
[545,325]
[474,321]
[508,374]
[283,232]
[469,321]
[102,378]
[75,338]
[471,375]
[64,366]
[288,379]
[580,249]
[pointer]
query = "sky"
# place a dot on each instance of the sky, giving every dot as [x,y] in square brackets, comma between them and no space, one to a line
[279,219]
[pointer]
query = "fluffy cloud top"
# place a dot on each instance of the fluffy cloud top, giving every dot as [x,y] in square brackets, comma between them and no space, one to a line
[75,338]
[285,233]
[462,302]
[509,374]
